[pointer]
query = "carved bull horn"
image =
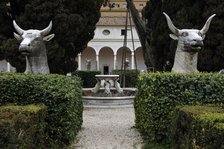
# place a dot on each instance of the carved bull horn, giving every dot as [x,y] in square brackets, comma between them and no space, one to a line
[47,30]
[17,28]
[170,25]
[207,24]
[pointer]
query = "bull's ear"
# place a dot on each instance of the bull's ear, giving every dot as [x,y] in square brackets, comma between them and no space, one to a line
[18,37]
[173,36]
[49,37]
[203,37]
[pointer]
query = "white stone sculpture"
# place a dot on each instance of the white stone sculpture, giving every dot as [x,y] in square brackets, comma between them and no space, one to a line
[32,46]
[221,71]
[107,85]
[190,42]
[88,64]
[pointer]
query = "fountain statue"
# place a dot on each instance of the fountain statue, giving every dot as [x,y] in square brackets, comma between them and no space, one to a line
[107,85]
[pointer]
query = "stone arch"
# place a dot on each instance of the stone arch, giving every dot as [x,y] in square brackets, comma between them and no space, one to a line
[140,59]
[119,56]
[106,60]
[88,54]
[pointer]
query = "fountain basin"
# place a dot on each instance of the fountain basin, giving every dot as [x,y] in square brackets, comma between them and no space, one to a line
[116,99]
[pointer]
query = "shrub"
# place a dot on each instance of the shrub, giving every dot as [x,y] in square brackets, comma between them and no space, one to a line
[22,126]
[87,77]
[159,93]
[198,127]
[62,96]
[131,77]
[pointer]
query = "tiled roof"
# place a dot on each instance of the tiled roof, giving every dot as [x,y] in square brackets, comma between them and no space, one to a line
[114,21]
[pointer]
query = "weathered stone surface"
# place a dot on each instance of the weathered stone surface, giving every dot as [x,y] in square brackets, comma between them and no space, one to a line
[190,42]
[32,46]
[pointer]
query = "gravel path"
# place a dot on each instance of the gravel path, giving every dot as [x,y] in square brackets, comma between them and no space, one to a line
[108,129]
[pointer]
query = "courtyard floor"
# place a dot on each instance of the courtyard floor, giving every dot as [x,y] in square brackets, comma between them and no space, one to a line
[108,129]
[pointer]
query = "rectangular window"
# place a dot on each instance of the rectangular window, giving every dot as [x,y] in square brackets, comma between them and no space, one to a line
[123,32]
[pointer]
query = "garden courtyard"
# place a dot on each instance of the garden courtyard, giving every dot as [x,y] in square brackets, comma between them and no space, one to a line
[175,102]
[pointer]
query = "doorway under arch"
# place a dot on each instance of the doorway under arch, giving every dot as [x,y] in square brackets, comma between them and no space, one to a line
[106,55]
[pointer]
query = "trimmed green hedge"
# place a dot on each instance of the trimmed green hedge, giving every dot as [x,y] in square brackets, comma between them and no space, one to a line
[131,77]
[159,93]
[87,77]
[22,126]
[62,96]
[198,127]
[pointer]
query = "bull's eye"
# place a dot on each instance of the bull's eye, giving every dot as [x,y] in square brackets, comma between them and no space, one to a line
[184,34]
[38,39]
[200,34]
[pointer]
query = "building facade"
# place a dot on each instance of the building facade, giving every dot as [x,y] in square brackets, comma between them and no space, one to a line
[106,51]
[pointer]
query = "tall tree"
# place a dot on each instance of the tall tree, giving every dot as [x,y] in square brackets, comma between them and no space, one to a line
[212,58]
[142,33]
[156,28]
[73,24]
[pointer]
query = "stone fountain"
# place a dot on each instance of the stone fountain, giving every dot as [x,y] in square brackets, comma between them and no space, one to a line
[107,92]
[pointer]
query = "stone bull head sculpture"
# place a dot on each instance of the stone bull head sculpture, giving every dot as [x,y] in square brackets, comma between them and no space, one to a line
[190,42]
[32,46]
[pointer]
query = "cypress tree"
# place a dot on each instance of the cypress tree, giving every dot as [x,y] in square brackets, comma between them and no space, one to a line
[212,57]
[156,30]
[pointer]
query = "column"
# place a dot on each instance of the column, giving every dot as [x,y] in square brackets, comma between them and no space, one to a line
[97,62]
[79,61]
[132,60]
[115,61]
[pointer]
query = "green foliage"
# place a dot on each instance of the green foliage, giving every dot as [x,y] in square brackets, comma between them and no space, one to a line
[22,126]
[153,145]
[12,56]
[87,77]
[62,96]
[131,77]
[159,93]
[185,14]
[73,24]
[198,127]
[4,35]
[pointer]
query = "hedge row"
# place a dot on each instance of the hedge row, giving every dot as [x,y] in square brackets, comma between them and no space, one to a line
[87,77]
[159,93]
[198,127]
[62,96]
[131,77]
[22,126]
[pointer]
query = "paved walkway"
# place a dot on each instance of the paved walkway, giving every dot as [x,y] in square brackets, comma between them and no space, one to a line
[108,129]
